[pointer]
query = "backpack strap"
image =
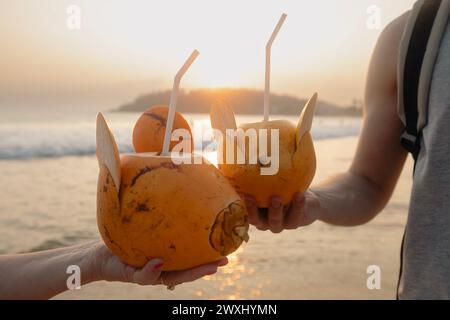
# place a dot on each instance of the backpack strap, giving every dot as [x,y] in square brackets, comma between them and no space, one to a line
[414,61]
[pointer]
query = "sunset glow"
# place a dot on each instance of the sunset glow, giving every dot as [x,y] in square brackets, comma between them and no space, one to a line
[128,48]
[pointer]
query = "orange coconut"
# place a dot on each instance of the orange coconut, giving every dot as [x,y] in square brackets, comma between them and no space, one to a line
[149,130]
[186,214]
[297,161]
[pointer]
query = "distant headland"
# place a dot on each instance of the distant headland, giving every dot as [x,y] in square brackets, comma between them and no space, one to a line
[243,101]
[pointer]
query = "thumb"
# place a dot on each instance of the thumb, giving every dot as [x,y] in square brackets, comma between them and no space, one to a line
[295,215]
[150,273]
[311,209]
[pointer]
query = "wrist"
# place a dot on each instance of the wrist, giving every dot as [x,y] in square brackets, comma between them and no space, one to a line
[313,203]
[89,265]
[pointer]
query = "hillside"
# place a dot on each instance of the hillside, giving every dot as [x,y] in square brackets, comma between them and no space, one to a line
[244,101]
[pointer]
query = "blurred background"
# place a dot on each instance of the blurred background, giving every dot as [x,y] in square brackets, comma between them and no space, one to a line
[62,62]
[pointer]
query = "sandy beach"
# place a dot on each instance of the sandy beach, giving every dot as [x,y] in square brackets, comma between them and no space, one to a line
[317,262]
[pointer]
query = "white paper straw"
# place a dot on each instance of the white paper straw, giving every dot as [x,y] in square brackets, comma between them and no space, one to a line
[173,100]
[268,50]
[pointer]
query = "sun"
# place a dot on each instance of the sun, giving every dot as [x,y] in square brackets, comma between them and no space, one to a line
[217,68]
[219,75]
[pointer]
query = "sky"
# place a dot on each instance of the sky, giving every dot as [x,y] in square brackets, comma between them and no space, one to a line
[126,48]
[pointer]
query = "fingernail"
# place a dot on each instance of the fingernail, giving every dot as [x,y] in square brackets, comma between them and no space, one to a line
[158,265]
[223,262]
[249,202]
[276,203]
[299,198]
[209,273]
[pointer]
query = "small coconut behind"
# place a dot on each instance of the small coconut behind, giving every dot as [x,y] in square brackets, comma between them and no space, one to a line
[149,130]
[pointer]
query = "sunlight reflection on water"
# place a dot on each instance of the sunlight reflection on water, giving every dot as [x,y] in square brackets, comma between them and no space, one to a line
[229,279]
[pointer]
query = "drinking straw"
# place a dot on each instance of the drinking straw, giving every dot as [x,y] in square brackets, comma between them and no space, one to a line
[173,100]
[268,50]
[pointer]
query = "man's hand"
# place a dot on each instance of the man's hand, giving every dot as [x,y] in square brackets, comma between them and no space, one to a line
[302,211]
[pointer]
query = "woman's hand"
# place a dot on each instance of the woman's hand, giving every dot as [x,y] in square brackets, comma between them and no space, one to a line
[108,267]
[42,275]
[302,211]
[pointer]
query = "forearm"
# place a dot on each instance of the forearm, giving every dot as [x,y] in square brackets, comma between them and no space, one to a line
[42,275]
[348,200]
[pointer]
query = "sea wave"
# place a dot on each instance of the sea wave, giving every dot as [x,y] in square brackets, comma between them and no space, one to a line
[49,140]
[29,141]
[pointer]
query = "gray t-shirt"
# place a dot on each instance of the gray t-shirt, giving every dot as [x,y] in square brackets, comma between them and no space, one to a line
[426,255]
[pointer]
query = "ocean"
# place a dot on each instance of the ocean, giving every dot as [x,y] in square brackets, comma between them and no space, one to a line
[52,132]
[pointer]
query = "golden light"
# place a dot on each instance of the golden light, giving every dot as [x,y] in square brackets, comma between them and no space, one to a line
[322,42]
[219,75]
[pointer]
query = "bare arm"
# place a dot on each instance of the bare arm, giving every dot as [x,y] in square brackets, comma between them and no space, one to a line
[358,195]
[42,275]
